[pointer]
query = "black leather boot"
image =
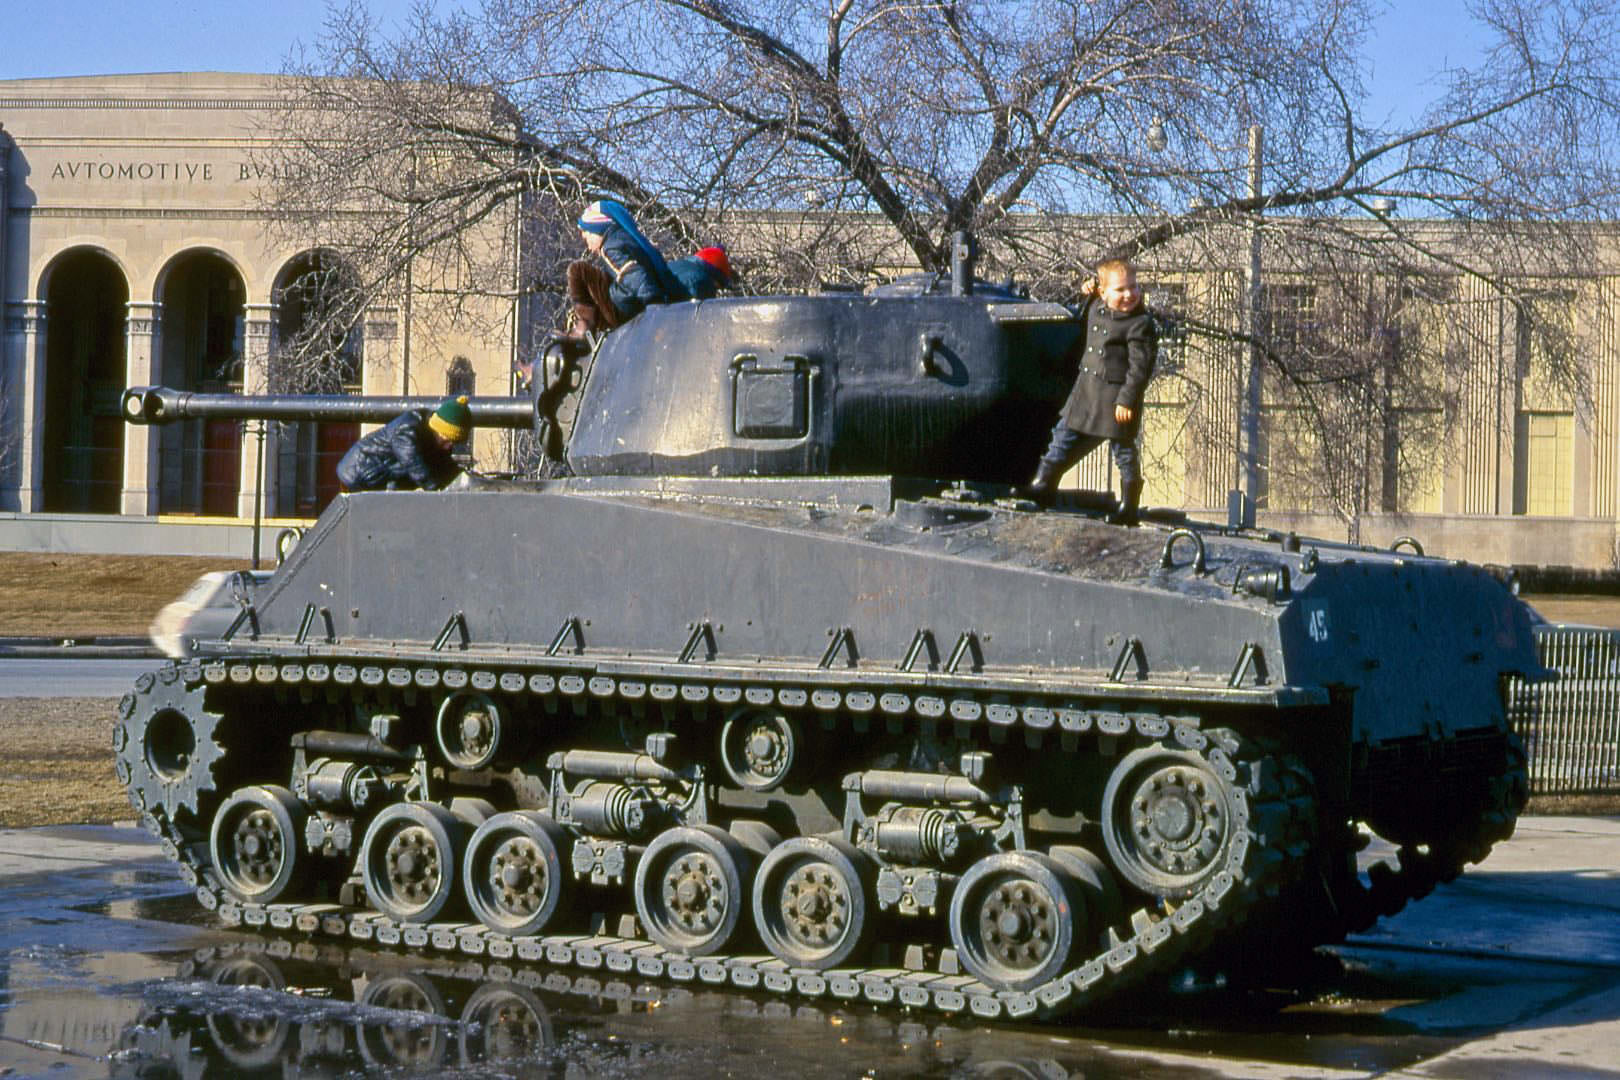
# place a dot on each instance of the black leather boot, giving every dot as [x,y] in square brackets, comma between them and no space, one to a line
[1130,499]
[1042,489]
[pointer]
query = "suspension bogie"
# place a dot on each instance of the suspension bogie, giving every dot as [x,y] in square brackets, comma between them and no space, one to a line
[612,802]
[345,778]
[927,827]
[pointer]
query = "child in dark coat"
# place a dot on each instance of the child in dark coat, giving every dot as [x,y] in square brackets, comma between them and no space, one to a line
[412,451]
[1116,350]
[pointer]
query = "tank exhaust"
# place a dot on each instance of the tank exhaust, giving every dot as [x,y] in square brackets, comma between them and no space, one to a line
[964,253]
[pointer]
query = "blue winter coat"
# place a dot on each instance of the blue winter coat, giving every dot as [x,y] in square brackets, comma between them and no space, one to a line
[403,454]
[700,280]
[637,283]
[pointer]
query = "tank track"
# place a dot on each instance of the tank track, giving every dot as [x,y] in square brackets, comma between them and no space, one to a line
[1413,874]
[1334,899]
[1274,822]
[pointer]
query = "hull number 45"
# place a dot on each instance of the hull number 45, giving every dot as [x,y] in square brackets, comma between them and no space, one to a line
[1316,624]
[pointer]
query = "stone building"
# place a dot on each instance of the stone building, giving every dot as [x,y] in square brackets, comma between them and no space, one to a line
[133,251]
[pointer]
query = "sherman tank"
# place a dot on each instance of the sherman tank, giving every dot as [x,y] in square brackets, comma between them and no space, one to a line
[768,677]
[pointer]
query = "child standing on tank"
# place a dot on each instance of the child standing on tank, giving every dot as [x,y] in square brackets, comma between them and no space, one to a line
[1117,349]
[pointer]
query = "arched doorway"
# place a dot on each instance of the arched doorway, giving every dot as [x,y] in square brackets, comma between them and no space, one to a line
[317,350]
[82,445]
[200,461]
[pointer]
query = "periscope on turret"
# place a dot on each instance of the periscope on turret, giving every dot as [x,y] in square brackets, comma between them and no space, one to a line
[766,676]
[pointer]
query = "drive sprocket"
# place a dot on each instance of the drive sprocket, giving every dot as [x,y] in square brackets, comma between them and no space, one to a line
[167,745]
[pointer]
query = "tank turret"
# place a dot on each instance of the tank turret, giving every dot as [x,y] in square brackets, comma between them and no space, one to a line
[929,377]
[776,672]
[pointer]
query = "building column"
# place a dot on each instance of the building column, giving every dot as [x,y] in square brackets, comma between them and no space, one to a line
[22,360]
[380,373]
[143,328]
[257,324]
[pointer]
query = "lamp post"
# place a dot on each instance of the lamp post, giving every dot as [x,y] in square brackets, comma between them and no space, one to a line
[1242,501]
[257,427]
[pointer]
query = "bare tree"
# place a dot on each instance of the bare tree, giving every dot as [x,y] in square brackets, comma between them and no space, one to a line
[828,141]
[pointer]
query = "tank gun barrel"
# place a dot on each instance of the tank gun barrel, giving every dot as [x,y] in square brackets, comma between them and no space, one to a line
[164,405]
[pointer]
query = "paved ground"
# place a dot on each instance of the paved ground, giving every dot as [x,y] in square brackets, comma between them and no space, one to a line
[79,677]
[106,968]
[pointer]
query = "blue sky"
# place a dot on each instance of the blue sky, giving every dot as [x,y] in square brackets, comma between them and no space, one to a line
[104,37]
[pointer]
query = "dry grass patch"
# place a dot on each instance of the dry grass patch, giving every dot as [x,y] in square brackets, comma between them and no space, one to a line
[62,595]
[58,766]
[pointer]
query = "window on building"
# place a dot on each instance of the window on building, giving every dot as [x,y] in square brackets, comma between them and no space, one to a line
[1169,304]
[1288,316]
[460,378]
[319,342]
[1542,481]
[1544,429]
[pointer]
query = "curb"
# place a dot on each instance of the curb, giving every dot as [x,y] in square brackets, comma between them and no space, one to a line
[73,640]
[110,647]
[82,652]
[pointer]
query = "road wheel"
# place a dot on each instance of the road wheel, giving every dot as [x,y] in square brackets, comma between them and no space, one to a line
[411,861]
[691,889]
[256,844]
[813,902]
[514,876]
[1013,919]
[1167,821]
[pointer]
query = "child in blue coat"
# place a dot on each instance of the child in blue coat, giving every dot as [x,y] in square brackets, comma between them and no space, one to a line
[636,274]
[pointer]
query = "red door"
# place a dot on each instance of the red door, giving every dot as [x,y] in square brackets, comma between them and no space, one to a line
[332,441]
[222,467]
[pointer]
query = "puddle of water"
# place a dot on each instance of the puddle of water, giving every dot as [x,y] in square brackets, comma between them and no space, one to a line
[334,1010]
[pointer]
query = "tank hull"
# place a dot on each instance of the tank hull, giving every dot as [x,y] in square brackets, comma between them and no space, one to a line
[1044,756]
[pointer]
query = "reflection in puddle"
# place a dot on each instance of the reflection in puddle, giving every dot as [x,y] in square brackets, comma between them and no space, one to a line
[333,1010]
[244,1009]
[165,906]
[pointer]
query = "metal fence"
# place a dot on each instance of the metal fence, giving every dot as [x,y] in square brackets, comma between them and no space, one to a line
[1571,724]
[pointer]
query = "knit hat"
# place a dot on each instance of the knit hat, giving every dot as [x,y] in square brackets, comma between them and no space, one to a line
[716,257]
[594,220]
[453,419]
[603,214]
